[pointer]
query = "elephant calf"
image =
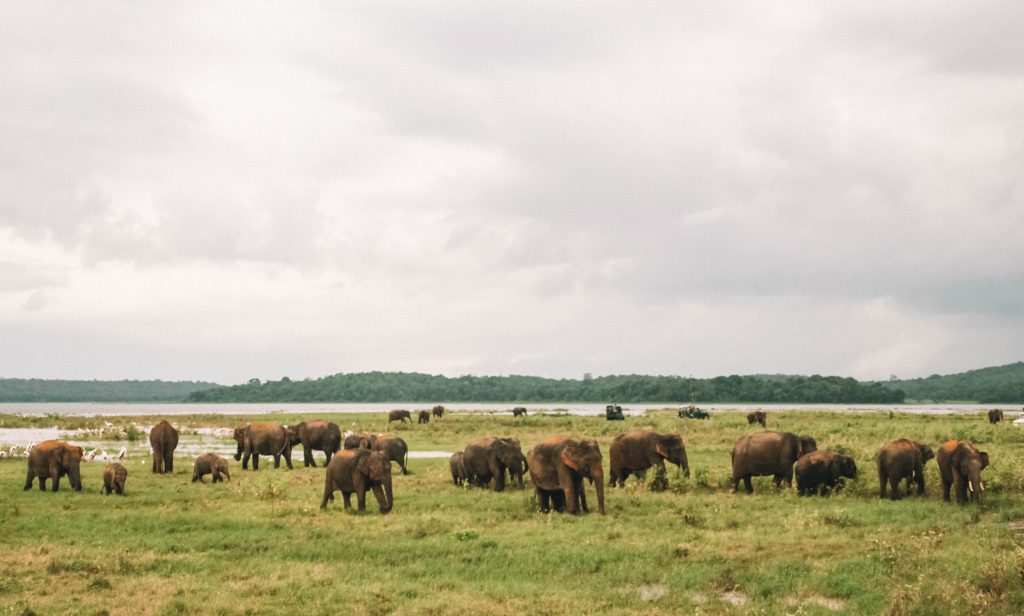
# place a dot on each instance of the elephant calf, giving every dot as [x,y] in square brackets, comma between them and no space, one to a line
[757,417]
[822,470]
[458,469]
[995,416]
[114,477]
[899,460]
[558,467]
[356,470]
[210,464]
[438,411]
[424,417]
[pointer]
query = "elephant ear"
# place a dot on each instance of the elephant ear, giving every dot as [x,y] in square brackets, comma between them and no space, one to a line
[984,458]
[567,458]
[363,464]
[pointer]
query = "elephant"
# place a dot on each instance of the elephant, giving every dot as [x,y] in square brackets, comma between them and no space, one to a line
[438,411]
[489,458]
[519,411]
[52,460]
[424,417]
[355,470]
[399,415]
[262,438]
[960,465]
[163,438]
[995,416]
[638,450]
[114,477]
[359,440]
[757,417]
[458,469]
[822,470]
[558,467]
[517,471]
[768,453]
[393,447]
[319,435]
[899,460]
[210,464]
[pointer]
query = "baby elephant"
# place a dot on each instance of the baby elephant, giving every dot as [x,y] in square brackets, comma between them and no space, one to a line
[822,470]
[757,417]
[995,416]
[424,417]
[114,477]
[210,464]
[458,469]
[359,471]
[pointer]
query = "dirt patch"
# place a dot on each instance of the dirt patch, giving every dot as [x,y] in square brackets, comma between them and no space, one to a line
[653,592]
[1017,530]
[830,604]
[734,597]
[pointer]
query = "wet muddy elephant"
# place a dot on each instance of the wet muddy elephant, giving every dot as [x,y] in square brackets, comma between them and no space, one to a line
[638,450]
[399,415]
[489,458]
[210,464]
[820,472]
[356,471]
[52,460]
[767,453]
[960,465]
[114,477]
[899,460]
[163,439]
[316,435]
[558,467]
[262,438]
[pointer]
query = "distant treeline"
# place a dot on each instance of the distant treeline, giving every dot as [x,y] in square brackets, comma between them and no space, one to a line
[1000,384]
[46,390]
[415,387]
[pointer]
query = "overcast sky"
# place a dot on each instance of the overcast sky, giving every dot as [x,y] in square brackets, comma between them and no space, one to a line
[222,191]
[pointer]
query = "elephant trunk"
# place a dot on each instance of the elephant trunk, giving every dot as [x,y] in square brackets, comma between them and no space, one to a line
[389,496]
[238,452]
[974,485]
[599,488]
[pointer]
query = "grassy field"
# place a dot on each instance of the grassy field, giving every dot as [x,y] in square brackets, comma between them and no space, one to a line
[261,545]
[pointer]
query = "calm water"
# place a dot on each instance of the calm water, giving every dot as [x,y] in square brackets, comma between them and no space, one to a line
[83,408]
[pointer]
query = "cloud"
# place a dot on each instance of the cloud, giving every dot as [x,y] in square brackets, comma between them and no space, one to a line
[548,188]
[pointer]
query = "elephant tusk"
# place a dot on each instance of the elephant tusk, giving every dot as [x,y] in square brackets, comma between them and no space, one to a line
[970,487]
[982,485]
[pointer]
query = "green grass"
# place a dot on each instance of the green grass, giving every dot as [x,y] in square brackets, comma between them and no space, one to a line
[260,544]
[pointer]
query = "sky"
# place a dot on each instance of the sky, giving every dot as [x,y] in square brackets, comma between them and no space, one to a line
[229,190]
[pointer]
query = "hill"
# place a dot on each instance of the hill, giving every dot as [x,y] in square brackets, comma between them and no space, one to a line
[416,387]
[47,390]
[998,384]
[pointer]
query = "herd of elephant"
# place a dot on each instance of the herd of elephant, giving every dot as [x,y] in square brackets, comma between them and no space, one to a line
[360,462]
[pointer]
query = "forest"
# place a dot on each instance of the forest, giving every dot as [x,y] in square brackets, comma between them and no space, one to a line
[52,390]
[998,384]
[415,387]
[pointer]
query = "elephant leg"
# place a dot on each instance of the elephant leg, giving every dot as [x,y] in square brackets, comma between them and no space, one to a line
[245,460]
[157,458]
[883,479]
[277,460]
[894,486]
[623,476]
[558,500]
[582,495]
[307,458]
[42,484]
[543,500]
[378,493]
[945,489]
[328,494]
[361,498]
[571,498]
[746,484]
[288,458]
[29,478]
[169,461]
[56,482]
[919,473]
[961,488]
[255,461]
[328,453]
[347,497]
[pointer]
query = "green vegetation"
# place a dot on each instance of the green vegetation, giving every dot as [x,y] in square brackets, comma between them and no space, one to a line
[999,384]
[414,387]
[261,545]
[44,390]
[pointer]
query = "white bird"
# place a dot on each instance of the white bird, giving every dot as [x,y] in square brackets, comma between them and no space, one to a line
[91,455]
[14,451]
[3,454]
[121,454]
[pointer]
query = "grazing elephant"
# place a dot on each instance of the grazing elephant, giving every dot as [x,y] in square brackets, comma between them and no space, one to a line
[960,465]
[393,447]
[357,470]
[210,464]
[519,411]
[114,477]
[399,415]
[558,467]
[822,470]
[438,411]
[52,460]
[517,471]
[757,417]
[424,417]
[995,416]
[261,438]
[638,450]
[458,469]
[489,458]
[163,438]
[899,460]
[319,435]
[768,453]
[359,440]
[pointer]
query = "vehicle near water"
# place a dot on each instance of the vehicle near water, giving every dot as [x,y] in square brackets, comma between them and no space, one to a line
[613,412]
[692,412]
